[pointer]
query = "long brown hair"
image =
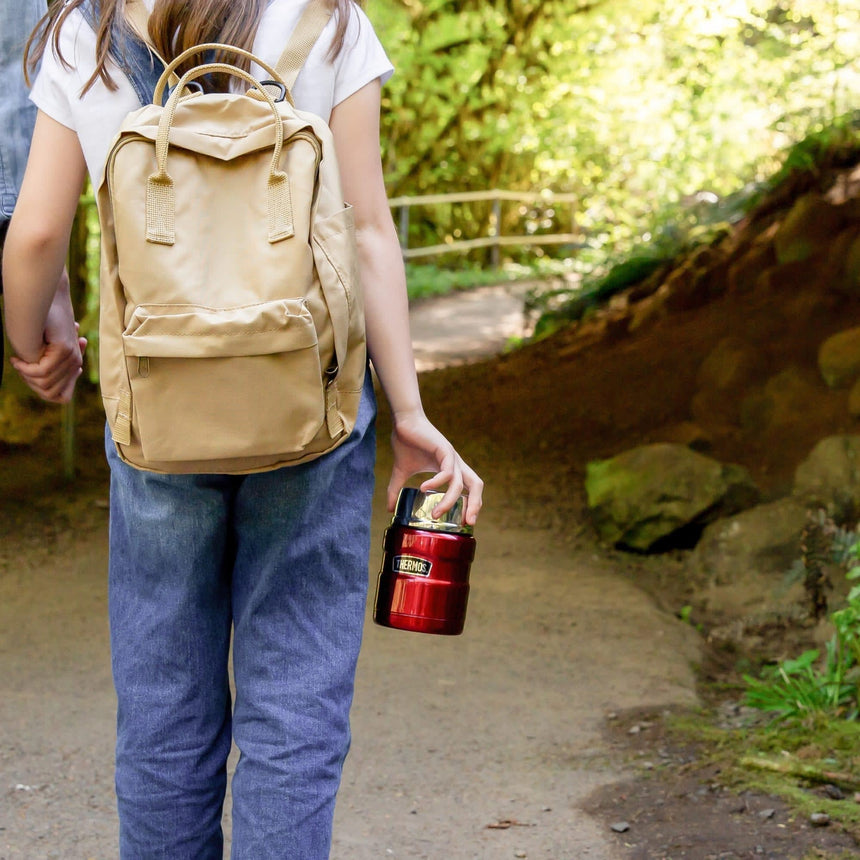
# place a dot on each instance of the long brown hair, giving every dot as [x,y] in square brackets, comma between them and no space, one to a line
[173,27]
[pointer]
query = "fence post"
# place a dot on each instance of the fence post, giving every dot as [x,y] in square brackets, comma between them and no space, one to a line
[496,232]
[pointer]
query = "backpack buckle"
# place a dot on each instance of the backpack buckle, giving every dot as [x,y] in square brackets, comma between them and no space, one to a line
[334,421]
[282,90]
[193,86]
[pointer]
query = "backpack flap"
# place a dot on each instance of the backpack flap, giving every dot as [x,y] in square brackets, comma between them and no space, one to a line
[160,192]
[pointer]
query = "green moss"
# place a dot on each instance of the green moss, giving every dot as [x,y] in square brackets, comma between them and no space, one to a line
[828,746]
[842,855]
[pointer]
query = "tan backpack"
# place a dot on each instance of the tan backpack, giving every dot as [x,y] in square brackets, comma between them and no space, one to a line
[232,330]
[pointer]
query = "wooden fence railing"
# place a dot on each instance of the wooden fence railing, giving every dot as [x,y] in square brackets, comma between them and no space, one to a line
[494,238]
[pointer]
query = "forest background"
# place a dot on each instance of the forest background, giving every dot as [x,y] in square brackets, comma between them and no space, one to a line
[662,120]
[648,112]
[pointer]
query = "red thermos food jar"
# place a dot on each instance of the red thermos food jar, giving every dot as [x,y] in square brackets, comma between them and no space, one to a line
[423,584]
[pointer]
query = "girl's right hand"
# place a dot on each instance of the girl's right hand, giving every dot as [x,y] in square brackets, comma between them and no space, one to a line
[419,447]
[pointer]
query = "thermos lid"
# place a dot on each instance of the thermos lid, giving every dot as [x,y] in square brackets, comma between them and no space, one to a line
[415,509]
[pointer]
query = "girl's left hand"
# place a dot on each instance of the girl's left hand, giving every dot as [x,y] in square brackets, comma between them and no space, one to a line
[420,447]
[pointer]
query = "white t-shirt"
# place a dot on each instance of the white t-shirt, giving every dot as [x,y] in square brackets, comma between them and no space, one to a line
[97,116]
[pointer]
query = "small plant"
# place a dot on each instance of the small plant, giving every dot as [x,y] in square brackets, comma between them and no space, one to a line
[685,613]
[805,686]
[798,688]
[847,623]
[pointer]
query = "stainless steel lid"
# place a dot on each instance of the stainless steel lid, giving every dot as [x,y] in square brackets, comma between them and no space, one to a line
[414,509]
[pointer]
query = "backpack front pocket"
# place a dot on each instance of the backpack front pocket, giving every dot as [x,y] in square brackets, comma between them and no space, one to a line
[220,383]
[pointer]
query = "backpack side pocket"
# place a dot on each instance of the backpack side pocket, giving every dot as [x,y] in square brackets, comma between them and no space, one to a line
[335,259]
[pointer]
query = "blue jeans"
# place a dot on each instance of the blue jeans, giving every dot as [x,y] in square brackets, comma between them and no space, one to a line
[281,557]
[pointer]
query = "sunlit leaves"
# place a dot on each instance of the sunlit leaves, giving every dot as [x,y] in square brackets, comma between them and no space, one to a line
[631,104]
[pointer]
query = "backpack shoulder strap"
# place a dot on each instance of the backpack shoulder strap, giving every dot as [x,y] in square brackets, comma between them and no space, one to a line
[313,21]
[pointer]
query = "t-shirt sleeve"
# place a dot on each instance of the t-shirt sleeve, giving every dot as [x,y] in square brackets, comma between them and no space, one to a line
[362,60]
[56,84]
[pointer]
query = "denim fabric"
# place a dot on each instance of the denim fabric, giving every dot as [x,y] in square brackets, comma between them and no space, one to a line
[138,63]
[17,112]
[282,556]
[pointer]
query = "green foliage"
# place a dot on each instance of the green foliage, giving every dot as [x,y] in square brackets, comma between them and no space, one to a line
[796,689]
[89,318]
[837,143]
[677,229]
[425,280]
[633,106]
[590,293]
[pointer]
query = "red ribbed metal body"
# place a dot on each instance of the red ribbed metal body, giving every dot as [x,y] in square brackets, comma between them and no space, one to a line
[424,581]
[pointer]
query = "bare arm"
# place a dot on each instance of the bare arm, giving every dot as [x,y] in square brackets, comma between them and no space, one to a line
[418,445]
[39,319]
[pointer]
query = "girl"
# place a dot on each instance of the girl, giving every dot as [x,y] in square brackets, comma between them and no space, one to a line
[281,556]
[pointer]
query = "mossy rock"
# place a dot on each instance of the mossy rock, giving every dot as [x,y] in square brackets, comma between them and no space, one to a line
[641,497]
[839,358]
[830,476]
[807,229]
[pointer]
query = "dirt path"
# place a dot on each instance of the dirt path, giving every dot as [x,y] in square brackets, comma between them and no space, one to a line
[480,746]
[451,735]
[466,326]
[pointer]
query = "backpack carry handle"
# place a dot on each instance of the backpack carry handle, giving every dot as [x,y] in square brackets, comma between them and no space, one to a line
[160,191]
[170,69]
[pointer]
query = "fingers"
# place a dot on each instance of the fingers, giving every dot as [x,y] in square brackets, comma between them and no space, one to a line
[58,392]
[54,383]
[450,475]
[395,485]
[462,480]
[475,490]
[458,481]
[49,373]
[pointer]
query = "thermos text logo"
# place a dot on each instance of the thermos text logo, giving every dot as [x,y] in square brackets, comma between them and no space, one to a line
[412,565]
